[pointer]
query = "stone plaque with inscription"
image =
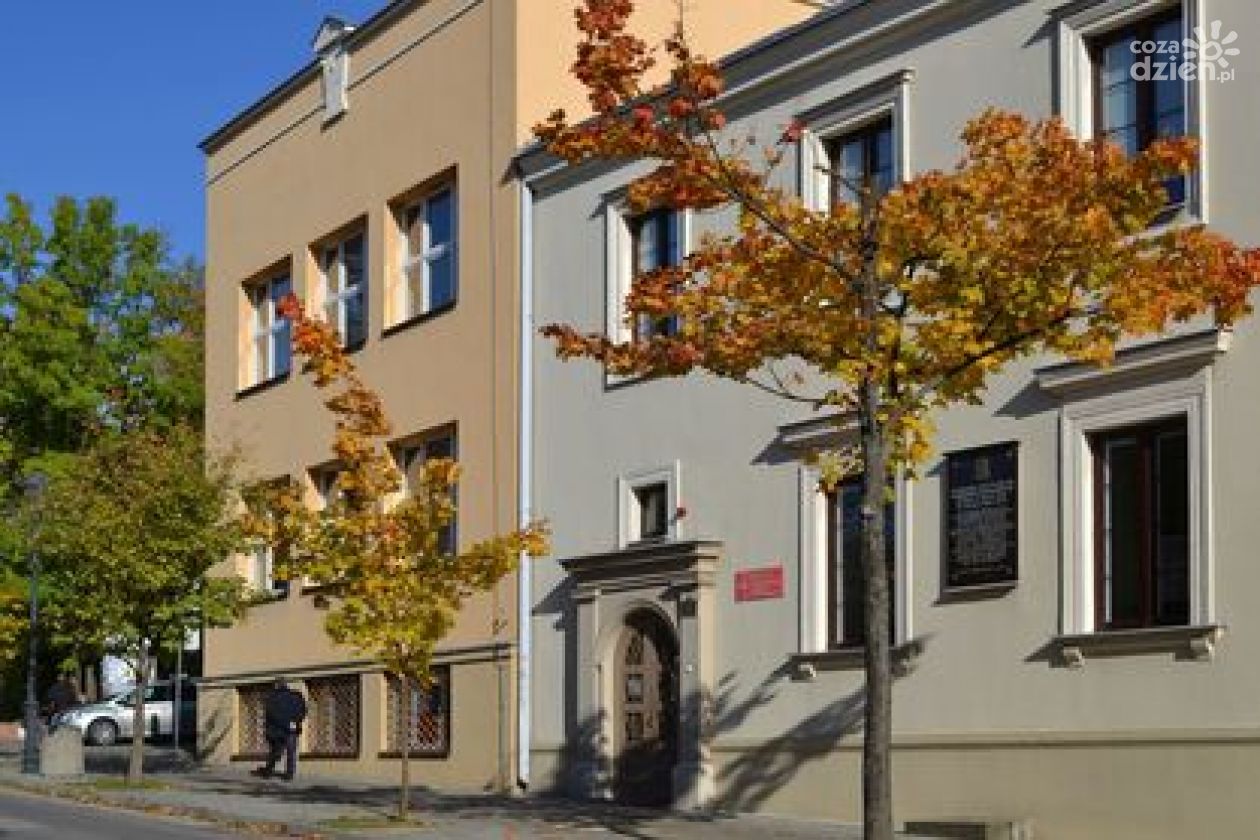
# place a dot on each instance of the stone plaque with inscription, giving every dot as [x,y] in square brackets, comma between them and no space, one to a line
[982,516]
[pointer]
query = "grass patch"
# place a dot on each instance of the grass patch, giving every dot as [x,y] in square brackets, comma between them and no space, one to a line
[370,823]
[112,783]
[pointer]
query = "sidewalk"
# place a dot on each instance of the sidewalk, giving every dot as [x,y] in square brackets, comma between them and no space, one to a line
[331,808]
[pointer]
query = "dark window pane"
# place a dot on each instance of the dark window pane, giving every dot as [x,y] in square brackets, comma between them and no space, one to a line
[1119,107]
[356,318]
[280,288]
[850,606]
[1167,31]
[652,502]
[1117,63]
[442,280]
[354,259]
[850,168]
[1172,529]
[1123,520]
[282,348]
[1170,103]
[441,218]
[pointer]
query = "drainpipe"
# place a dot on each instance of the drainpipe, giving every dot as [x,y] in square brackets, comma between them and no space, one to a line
[524,475]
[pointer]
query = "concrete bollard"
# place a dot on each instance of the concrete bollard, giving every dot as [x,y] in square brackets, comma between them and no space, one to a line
[61,753]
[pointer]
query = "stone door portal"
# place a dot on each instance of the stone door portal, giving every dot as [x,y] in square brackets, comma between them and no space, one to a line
[646,710]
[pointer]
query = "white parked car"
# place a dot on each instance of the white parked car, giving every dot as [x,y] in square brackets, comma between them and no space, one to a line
[110,720]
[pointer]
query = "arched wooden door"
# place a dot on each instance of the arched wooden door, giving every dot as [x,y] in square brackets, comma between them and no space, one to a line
[645,707]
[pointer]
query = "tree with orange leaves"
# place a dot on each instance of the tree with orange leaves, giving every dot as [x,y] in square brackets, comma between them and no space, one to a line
[394,582]
[900,304]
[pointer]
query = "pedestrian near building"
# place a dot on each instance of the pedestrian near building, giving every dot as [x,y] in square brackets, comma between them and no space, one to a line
[63,695]
[284,712]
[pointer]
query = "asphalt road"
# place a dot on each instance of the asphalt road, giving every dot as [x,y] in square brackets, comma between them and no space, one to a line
[38,817]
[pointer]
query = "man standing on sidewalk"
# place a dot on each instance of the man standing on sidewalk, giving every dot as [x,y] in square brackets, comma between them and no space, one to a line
[285,710]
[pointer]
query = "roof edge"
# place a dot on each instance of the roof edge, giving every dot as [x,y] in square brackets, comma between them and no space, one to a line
[363,32]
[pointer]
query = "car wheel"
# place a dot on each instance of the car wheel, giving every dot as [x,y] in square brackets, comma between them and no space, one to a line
[102,732]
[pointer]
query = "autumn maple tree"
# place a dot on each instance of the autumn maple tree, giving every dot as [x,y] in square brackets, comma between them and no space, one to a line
[888,308]
[394,582]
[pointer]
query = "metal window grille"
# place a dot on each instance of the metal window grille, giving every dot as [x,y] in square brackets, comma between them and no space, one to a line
[334,716]
[429,721]
[251,736]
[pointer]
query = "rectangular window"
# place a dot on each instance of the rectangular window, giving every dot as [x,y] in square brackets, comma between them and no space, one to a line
[430,265]
[861,160]
[262,572]
[1134,109]
[655,242]
[846,624]
[411,460]
[428,719]
[333,727]
[345,290]
[1142,534]
[652,501]
[270,348]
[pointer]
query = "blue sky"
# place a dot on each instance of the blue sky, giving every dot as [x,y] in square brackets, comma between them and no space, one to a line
[111,98]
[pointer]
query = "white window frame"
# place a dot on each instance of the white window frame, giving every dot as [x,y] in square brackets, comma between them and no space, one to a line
[419,447]
[405,308]
[1163,380]
[815,606]
[262,571]
[1076,79]
[265,325]
[619,262]
[628,512]
[887,98]
[335,301]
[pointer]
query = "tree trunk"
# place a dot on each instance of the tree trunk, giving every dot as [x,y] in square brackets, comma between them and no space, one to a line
[404,749]
[135,770]
[877,817]
[876,755]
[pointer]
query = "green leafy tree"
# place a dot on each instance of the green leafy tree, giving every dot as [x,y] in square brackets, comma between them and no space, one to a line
[129,539]
[396,583]
[99,333]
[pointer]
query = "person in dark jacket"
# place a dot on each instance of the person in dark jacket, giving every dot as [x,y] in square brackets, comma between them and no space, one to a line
[63,695]
[284,711]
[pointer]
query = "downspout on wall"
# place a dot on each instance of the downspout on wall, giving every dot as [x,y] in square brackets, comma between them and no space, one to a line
[524,583]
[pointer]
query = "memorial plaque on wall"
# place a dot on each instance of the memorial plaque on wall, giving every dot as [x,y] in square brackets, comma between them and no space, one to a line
[982,516]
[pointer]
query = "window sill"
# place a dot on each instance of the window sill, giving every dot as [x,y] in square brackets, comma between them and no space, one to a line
[805,666]
[414,320]
[1194,642]
[438,755]
[265,385]
[331,756]
[976,592]
[267,596]
[249,756]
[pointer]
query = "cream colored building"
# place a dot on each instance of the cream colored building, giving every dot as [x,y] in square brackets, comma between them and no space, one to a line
[376,184]
[1077,593]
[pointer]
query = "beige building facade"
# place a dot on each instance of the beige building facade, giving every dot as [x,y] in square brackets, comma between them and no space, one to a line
[375,183]
[1075,587]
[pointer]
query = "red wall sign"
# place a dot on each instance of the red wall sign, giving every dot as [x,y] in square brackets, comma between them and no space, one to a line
[759,584]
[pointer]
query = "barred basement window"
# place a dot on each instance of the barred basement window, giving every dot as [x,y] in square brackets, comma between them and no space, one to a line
[251,736]
[333,728]
[430,717]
